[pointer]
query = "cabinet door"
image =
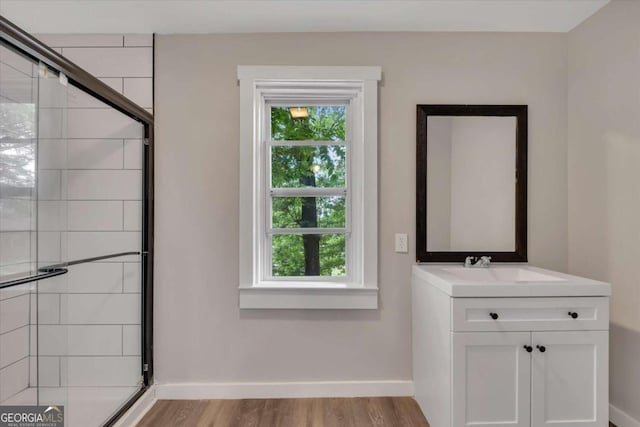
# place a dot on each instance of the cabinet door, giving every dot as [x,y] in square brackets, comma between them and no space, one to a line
[491,379]
[569,379]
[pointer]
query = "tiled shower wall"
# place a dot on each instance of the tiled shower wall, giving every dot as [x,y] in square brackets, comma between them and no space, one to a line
[89,332]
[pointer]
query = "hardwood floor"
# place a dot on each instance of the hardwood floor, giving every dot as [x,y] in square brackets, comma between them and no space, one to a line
[334,412]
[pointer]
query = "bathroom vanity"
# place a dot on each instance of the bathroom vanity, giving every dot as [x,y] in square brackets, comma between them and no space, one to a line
[510,345]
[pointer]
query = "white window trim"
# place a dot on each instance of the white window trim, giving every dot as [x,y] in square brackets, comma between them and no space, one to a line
[360,85]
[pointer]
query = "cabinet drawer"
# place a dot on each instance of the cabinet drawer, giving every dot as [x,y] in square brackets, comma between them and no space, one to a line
[529,314]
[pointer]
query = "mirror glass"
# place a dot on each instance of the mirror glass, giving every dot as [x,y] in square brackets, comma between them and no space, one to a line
[471,183]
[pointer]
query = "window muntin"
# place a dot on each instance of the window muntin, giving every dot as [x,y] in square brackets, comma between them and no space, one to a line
[307,192]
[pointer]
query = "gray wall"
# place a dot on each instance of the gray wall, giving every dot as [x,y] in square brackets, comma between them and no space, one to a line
[604,178]
[201,335]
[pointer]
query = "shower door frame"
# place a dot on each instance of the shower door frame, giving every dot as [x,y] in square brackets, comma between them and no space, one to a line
[27,45]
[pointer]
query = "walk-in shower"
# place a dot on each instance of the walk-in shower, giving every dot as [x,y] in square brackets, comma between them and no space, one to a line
[76,221]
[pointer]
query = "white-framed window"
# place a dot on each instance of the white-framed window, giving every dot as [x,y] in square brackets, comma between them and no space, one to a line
[308,187]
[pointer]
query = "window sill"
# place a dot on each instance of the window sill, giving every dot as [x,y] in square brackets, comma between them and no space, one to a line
[292,296]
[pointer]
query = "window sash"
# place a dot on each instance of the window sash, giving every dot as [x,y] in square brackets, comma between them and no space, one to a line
[272,192]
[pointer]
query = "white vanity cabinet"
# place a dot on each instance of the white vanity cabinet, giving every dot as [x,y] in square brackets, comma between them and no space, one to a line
[501,358]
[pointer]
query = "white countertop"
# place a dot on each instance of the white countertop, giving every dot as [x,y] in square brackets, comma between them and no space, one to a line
[506,280]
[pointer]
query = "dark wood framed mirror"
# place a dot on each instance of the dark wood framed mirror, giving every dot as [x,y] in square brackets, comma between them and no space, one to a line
[471,182]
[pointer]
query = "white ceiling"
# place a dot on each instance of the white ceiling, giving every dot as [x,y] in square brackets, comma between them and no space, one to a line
[251,16]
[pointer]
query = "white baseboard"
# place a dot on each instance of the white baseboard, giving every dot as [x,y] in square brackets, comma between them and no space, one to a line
[621,418]
[284,390]
[138,410]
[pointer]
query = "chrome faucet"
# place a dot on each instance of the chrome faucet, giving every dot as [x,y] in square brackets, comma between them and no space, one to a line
[475,262]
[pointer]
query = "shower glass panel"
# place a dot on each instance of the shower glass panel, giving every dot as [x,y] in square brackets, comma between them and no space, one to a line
[71,207]
[18,221]
[49,343]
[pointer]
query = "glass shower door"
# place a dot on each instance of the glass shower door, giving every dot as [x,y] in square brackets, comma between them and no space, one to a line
[89,207]
[74,186]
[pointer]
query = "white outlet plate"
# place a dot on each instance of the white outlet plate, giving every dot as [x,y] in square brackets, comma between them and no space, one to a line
[402,243]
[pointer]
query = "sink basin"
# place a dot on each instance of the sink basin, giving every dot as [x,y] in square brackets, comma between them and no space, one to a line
[505,274]
[500,280]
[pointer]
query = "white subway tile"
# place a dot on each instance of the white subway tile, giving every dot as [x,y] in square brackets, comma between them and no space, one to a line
[16,86]
[14,346]
[140,91]
[14,378]
[131,339]
[52,122]
[64,184]
[95,215]
[33,338]
[95,153]
[17,215]
[49,185]
[52,340]
[80,340]
[55,395]
[16,61]
[49,247]
[81,40]
[15,291]
[89,278]
[14,313]
[132,216]
[51,94]
[14,270]
[95,340]
[77,98]
[103,371]
[138,40]
[90,123]
[52,215]
[48,309]
[15,247]
[113,62]
[86,244]
[33,371]
[132,277]
[33,250]
[104,185]
[28,396]
[47,373]
[56,284]
[133,154]
[100,309]
[33,307]
[52,154]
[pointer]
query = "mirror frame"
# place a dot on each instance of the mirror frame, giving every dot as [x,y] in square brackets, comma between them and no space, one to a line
[517,111]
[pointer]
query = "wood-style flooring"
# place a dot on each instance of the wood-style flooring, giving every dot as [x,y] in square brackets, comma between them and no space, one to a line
[333,412]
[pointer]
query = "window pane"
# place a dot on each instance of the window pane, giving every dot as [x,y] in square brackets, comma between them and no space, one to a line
[306,212]
[325,123]
[308,166]
[308,255]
